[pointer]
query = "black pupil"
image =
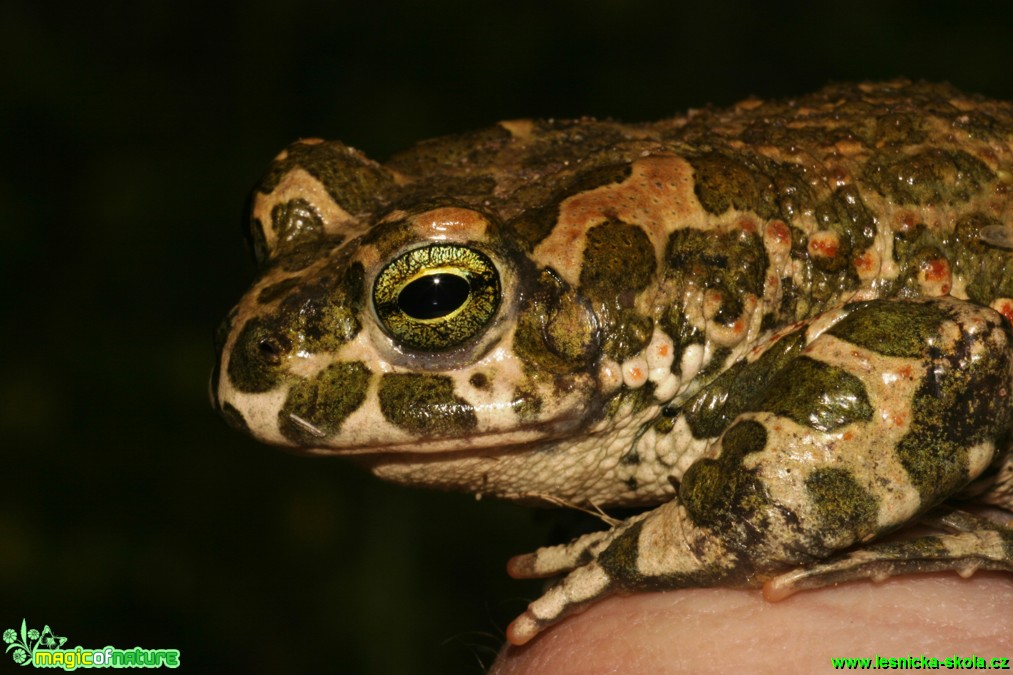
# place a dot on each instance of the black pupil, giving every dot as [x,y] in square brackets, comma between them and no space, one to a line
[433,295]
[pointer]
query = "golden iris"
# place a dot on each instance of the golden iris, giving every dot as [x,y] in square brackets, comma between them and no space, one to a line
[437,297]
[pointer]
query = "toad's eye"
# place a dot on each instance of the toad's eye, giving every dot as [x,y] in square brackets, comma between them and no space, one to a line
[437,297]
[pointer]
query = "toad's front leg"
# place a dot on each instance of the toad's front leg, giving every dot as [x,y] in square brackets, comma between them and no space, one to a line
[663,549]
[893,409]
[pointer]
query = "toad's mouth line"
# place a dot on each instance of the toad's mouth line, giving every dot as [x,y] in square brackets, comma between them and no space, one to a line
[493,442]
[487,443]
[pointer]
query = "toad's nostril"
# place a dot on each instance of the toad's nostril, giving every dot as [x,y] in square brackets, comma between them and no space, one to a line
[271,349]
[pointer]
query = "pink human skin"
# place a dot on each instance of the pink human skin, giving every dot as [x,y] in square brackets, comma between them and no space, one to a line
[726,630]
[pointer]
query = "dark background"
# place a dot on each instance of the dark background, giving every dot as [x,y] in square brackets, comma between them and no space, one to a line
[131,133]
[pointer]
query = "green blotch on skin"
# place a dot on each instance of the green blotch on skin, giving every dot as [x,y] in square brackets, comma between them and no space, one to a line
[933,176]
[425,405]
[891,328]
[618,258]
[956,407]
[817,395]
[351,180]
[735,390]
[750,183]
[250,369]
[845,510]
[324,402]
[619,262]
[809,392]
[722,494]
[296,222]
[619,559]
